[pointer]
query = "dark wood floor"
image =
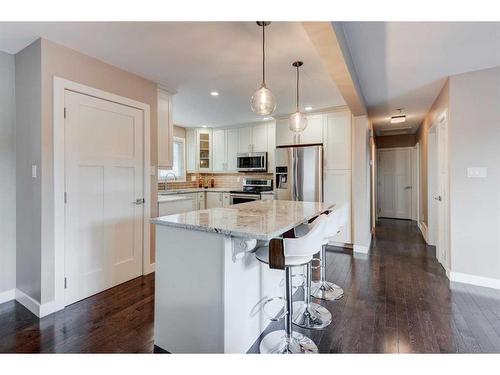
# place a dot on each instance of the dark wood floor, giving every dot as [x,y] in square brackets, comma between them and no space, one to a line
[397,300]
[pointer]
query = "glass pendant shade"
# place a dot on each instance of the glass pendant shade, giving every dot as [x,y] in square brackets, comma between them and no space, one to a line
[263,102]
[297,122]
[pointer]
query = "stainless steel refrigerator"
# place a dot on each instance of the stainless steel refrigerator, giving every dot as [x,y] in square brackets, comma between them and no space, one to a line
[299,173]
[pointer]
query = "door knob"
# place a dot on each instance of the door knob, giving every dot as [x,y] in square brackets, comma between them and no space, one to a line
[438,198]
[139,201]
[407,187]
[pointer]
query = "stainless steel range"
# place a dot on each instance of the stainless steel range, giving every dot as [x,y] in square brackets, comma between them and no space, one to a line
[253,189]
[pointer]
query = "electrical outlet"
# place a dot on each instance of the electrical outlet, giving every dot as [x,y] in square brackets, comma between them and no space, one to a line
[238,179]
[477,172]
[193,178]
[33,171]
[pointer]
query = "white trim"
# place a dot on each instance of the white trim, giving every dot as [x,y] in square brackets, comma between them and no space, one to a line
[7,296]
[28,302]
[60,85]
[363,249]
[475,280]
[423,229]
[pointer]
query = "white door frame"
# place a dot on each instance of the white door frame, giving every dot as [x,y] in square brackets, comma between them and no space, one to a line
[416,186]
[60,86]
[414,192]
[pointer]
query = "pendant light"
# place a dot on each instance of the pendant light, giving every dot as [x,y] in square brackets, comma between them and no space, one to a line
[297,121]
[263,102]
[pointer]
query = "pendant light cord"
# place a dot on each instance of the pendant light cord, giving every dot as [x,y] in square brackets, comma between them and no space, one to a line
[263,54]
[297,88]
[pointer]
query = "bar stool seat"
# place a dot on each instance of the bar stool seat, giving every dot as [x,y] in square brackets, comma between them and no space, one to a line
[262,254]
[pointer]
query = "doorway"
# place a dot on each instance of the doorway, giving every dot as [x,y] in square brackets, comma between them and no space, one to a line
[104,194]
[395,178]
[438,188]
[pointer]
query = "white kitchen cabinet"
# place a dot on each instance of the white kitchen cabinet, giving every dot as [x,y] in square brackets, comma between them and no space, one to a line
[337,190]
[191,150]
[204,150]
[214,199]
[175,206]
[226,200]
[165,129]
[231,149]
[259,138]
[337,140]
[312,134]
[271,146]
[200,204]
[219,156]
[245,139]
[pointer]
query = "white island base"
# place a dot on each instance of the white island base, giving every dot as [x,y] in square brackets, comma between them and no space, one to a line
[209,293]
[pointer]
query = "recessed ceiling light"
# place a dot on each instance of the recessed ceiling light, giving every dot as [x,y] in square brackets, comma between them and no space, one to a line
[267,118]
[308,108]
[204,126]
[214,93]
[398,119]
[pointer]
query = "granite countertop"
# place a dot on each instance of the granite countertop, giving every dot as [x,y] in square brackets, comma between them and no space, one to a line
[192,190]
[261,220]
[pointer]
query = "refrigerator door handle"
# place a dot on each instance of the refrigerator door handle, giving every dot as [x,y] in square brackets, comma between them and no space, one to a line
[295,171]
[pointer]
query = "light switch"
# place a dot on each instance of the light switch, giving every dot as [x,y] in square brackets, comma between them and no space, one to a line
[477,172]
[33,171]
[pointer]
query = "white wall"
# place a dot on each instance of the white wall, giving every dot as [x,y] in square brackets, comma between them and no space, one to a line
[7,173]
[28,153]
[474,141]
[361,202]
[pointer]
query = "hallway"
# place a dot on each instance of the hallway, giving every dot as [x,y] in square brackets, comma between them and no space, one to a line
[397,300]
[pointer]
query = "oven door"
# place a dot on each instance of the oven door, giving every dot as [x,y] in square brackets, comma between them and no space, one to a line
[252,162]
[243,198]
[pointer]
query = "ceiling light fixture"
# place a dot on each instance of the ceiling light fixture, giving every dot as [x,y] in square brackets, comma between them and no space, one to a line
[399,118]
[263,102]
[308,108]
[297,121]
[204,126]
[214,93]
[267,118]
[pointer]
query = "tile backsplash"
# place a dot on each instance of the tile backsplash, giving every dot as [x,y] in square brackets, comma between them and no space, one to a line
[221,180]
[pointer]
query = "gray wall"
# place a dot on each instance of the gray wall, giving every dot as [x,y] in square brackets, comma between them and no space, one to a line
[7,173]
[474,139]
[28,153]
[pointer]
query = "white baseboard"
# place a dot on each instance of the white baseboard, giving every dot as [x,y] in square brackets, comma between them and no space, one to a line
[40,310]
[475,280]
[7,296]
[28,302]
[361,248]
[149,269]
[423,230]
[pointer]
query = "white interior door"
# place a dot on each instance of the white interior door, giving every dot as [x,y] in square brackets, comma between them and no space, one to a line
[104,194]
[395,176]
[443,246]
[432,187]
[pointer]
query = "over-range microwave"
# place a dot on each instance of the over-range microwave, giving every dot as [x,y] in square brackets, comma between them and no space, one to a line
[251,162]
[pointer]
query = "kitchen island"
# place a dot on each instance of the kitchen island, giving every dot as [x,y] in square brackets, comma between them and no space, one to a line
[209,287]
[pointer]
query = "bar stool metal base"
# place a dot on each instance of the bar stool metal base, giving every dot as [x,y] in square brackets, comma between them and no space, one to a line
[276,342]
[313,317]
[326,290]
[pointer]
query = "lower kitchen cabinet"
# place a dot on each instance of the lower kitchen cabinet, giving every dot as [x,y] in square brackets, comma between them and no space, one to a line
[337,189]
[226,200]
[214,199]
[175,206]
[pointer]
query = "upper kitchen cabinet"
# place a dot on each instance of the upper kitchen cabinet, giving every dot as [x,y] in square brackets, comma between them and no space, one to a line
[245,139]
[165,129]
[271,146]
[204,150]
[313,133]
[191,150]
[231,149]
[219,150]
[337,140]
[259,138]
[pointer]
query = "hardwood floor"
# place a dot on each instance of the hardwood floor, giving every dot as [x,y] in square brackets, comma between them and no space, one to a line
[397,300]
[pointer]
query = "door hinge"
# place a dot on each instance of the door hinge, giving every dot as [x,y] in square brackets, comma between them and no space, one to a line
[65,197]
[64,112]
[65,283]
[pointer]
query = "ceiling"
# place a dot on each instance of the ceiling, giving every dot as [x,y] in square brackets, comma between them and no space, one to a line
[195,58]
[405,64]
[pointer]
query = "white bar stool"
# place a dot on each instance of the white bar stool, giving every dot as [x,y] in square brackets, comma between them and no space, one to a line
[323,289]
[285,253]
